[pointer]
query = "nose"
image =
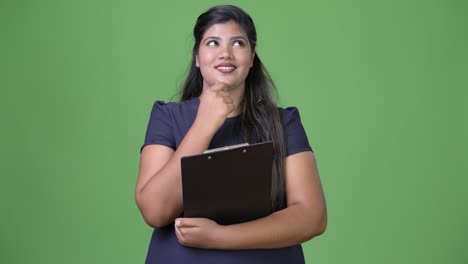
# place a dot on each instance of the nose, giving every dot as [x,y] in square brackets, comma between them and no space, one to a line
[225,52]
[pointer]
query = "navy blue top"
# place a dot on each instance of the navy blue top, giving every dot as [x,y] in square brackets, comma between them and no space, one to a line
[168,124]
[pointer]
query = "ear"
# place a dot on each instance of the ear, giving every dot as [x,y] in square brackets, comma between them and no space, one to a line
[196,61]
[252,59]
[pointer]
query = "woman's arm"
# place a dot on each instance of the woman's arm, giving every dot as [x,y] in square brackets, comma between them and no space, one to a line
[304,218]
[158,191]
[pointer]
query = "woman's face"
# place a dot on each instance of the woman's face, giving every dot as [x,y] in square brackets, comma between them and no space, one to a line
[225,55]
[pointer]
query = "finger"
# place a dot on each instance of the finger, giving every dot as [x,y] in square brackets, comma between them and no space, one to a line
[178,234]
[181,238]
[223,93]
[185,222]
[220,86]
[226,96]
[228,100]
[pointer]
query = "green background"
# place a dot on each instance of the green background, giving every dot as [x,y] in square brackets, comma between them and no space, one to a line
[381,87]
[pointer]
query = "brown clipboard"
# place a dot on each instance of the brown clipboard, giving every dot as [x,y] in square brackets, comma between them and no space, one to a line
[229,186]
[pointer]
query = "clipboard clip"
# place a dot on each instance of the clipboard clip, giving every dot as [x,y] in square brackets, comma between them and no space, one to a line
[227,148]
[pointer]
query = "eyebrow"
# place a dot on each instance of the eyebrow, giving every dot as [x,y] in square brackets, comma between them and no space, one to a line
[231,38]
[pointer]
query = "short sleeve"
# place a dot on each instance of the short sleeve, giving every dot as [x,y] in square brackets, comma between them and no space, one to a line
[296,137]
[159,129]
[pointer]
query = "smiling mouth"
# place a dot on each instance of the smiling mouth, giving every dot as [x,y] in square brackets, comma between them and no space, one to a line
[226,68]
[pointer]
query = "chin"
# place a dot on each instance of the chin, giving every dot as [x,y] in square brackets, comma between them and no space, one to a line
[230,81]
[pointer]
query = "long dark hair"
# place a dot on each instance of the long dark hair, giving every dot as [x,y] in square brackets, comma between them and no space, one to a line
[260,117]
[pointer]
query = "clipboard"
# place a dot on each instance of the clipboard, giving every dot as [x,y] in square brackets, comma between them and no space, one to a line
[231,185]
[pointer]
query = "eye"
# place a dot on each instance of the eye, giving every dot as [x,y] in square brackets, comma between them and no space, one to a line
[212,43]
[238,43]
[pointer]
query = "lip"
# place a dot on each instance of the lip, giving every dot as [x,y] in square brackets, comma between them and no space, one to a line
[225,67]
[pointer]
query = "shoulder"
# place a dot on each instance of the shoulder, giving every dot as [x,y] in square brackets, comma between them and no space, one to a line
[174,110]
[295,134]
[176,106]
[289,115]
[167,120]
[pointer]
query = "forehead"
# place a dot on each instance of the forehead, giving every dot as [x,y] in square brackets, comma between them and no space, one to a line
[226,29]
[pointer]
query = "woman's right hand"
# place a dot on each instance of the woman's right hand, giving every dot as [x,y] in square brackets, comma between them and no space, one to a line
[215,106]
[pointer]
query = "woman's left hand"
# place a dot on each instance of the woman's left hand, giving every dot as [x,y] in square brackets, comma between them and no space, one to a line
[198,232]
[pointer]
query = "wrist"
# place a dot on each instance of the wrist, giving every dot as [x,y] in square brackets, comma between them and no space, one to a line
[221,239]
[202,128]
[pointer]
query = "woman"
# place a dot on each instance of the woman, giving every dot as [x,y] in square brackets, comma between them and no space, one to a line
[228,99]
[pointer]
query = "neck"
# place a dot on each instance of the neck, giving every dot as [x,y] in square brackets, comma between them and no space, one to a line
[237,95]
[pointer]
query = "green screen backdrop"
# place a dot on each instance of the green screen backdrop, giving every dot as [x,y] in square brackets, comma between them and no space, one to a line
[380,85]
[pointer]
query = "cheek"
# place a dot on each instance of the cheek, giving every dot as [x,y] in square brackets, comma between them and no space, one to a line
[247,58]
[204,57]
